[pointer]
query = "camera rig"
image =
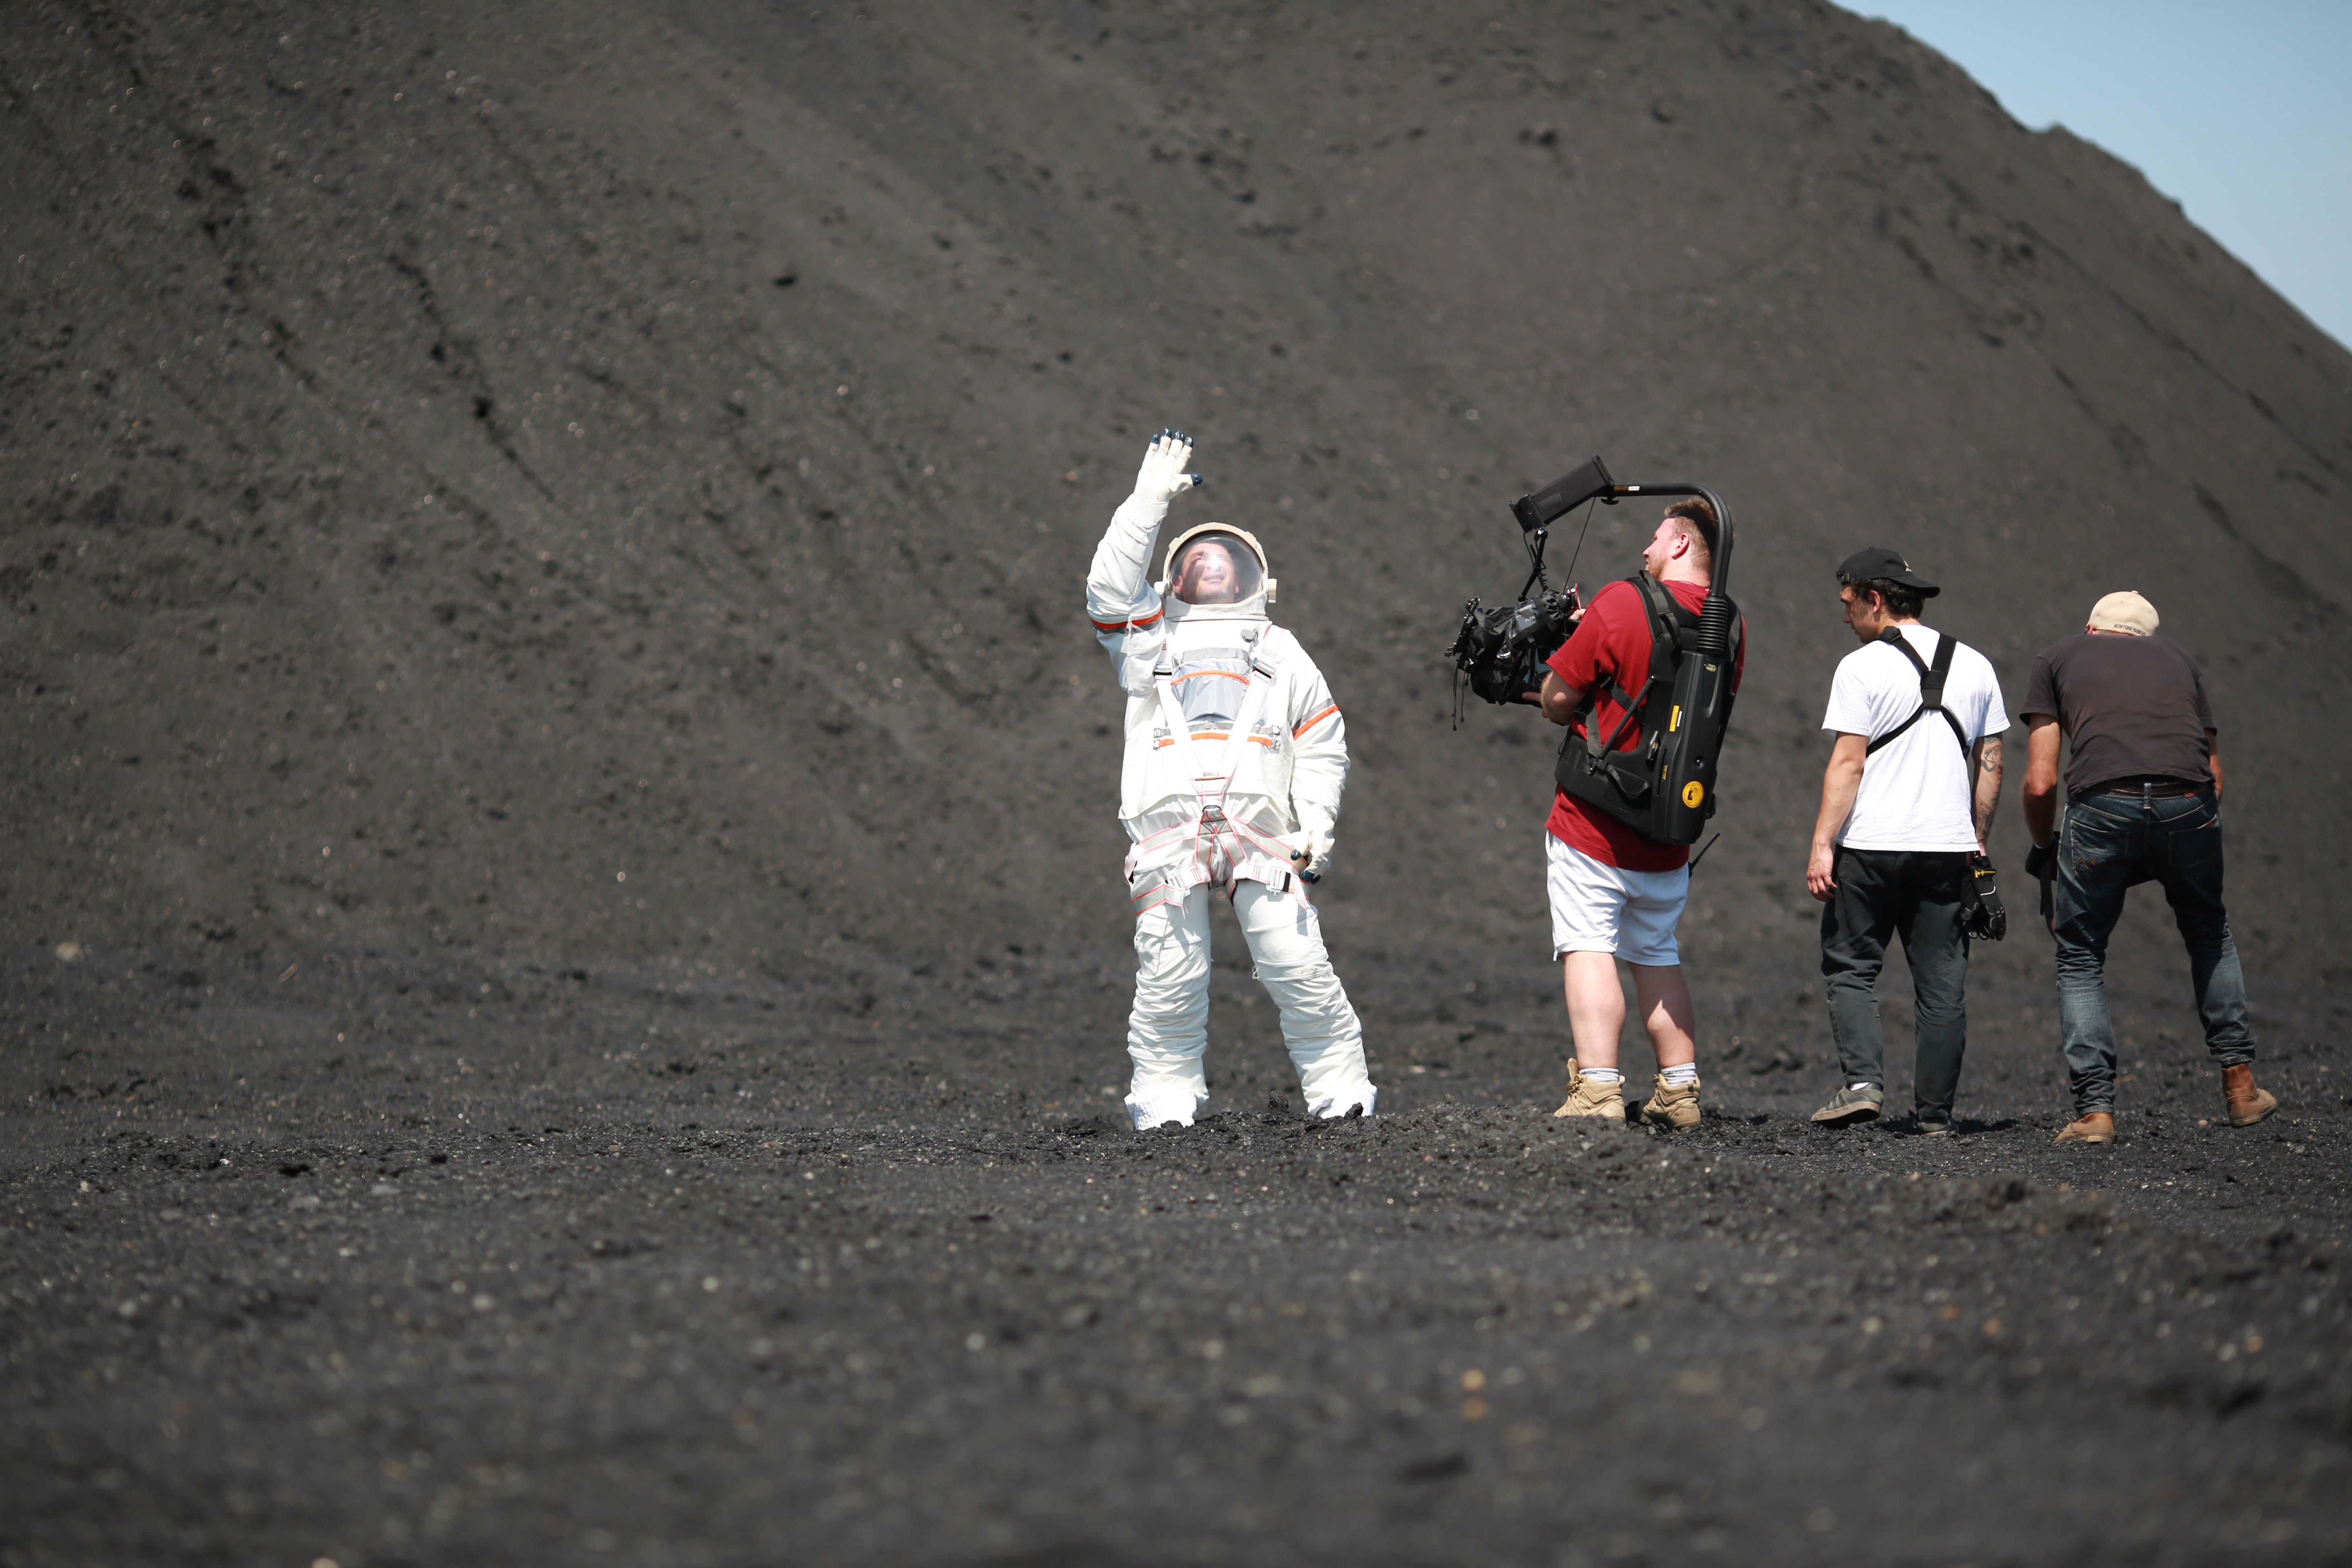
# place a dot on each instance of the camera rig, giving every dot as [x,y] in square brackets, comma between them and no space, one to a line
[1663,785]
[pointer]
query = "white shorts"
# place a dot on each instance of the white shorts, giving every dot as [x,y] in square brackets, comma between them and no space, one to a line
[1598,907]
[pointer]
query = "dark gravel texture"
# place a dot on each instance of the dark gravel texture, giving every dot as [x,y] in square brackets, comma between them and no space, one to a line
[692,1268]
[564,965]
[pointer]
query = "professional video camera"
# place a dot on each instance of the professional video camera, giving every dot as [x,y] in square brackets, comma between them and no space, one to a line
[1499,652]
[1663,783]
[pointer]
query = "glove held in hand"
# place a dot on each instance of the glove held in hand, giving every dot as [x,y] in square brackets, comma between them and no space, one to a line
[1982,917]
[1313,851]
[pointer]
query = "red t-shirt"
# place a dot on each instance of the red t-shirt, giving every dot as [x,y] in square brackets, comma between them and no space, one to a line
[1612,643]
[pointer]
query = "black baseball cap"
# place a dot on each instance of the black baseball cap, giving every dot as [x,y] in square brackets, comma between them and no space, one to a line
[1870,565]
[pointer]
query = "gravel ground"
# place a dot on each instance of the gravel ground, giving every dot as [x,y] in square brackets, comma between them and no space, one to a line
[567,1269]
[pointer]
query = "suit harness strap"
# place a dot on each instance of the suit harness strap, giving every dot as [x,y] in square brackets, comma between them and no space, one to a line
[1222,849]
[1211,788]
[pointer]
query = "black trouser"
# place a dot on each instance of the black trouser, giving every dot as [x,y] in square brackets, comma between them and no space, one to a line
[1913,894]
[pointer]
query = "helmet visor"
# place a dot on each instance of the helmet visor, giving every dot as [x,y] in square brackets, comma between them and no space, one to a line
[1215,569]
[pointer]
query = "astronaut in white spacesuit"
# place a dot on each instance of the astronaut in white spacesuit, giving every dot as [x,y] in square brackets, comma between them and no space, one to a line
[1235,758]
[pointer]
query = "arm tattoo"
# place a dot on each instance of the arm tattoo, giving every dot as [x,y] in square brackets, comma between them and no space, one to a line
[1986,779]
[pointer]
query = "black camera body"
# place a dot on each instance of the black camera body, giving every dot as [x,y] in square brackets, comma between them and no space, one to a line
[1499,653]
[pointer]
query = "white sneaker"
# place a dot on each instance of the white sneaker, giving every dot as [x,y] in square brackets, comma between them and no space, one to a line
[1162,1108]
[1346,1100]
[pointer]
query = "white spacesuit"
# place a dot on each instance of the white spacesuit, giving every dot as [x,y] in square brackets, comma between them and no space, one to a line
[1235,758]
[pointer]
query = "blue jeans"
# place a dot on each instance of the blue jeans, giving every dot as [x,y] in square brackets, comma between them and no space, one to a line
[2105,844]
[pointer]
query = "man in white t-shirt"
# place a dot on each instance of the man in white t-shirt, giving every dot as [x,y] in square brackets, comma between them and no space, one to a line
[1906,802]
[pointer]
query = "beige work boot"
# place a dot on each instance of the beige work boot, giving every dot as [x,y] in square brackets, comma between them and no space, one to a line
[1586,1098]
[1674,1107]
[2091,1127]
[2244,1102]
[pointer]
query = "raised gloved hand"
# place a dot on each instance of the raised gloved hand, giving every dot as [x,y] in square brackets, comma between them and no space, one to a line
[1162,477]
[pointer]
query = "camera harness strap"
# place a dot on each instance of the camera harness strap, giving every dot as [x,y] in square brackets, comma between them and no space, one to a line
[1931,701]
[1932,676]
[1931,691]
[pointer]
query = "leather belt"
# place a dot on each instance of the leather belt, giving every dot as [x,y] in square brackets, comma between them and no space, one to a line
[2151,789]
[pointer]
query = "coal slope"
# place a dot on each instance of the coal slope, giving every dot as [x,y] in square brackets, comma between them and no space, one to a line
[564,963]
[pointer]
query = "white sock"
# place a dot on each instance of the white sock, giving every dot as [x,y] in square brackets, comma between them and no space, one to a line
[1602,1075]
[1674,1077]
[1862,1086]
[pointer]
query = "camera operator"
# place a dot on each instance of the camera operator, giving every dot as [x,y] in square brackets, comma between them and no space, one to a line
[2143,804]
[1906,802]
[1616,893]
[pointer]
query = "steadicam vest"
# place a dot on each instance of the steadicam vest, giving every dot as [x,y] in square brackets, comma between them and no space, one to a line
[1663,786]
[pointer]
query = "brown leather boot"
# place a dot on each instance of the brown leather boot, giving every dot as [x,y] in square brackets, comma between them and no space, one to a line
[2091,1127]
[2244,1102]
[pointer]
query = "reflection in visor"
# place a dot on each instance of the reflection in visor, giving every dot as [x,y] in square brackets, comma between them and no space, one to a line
[1215,569]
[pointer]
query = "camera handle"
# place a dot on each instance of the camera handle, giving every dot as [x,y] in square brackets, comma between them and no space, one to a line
[1537,537]
[1535,542]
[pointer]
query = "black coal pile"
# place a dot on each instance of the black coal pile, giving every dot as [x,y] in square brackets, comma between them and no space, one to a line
[565,962]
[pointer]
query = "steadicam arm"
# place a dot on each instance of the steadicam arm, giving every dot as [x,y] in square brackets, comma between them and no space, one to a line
[1715,616]
[1590,481]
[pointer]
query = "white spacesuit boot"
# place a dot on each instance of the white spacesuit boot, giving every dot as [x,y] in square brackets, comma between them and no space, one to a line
[1234,763]
[1168,1029]
[1318,1027]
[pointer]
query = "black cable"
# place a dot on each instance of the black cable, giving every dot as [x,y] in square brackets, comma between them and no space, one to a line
[1702,854]
[1580,540]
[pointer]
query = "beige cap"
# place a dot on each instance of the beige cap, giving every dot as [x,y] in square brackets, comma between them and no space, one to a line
[2126,612]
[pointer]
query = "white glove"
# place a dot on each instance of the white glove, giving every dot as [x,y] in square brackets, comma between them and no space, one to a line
[1311,853]
[1162,477]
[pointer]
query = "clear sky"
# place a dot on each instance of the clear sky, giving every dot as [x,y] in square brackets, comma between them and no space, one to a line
[2239,110]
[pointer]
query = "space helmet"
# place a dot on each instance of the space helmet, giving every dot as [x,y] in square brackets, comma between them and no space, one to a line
[1243,553]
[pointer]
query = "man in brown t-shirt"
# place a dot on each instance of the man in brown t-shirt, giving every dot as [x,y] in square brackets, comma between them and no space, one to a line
[2143,804]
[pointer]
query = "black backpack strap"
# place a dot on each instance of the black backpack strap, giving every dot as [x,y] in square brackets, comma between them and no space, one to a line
[1672,629]
[1932,677]
[1630,705]
[1670,625]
